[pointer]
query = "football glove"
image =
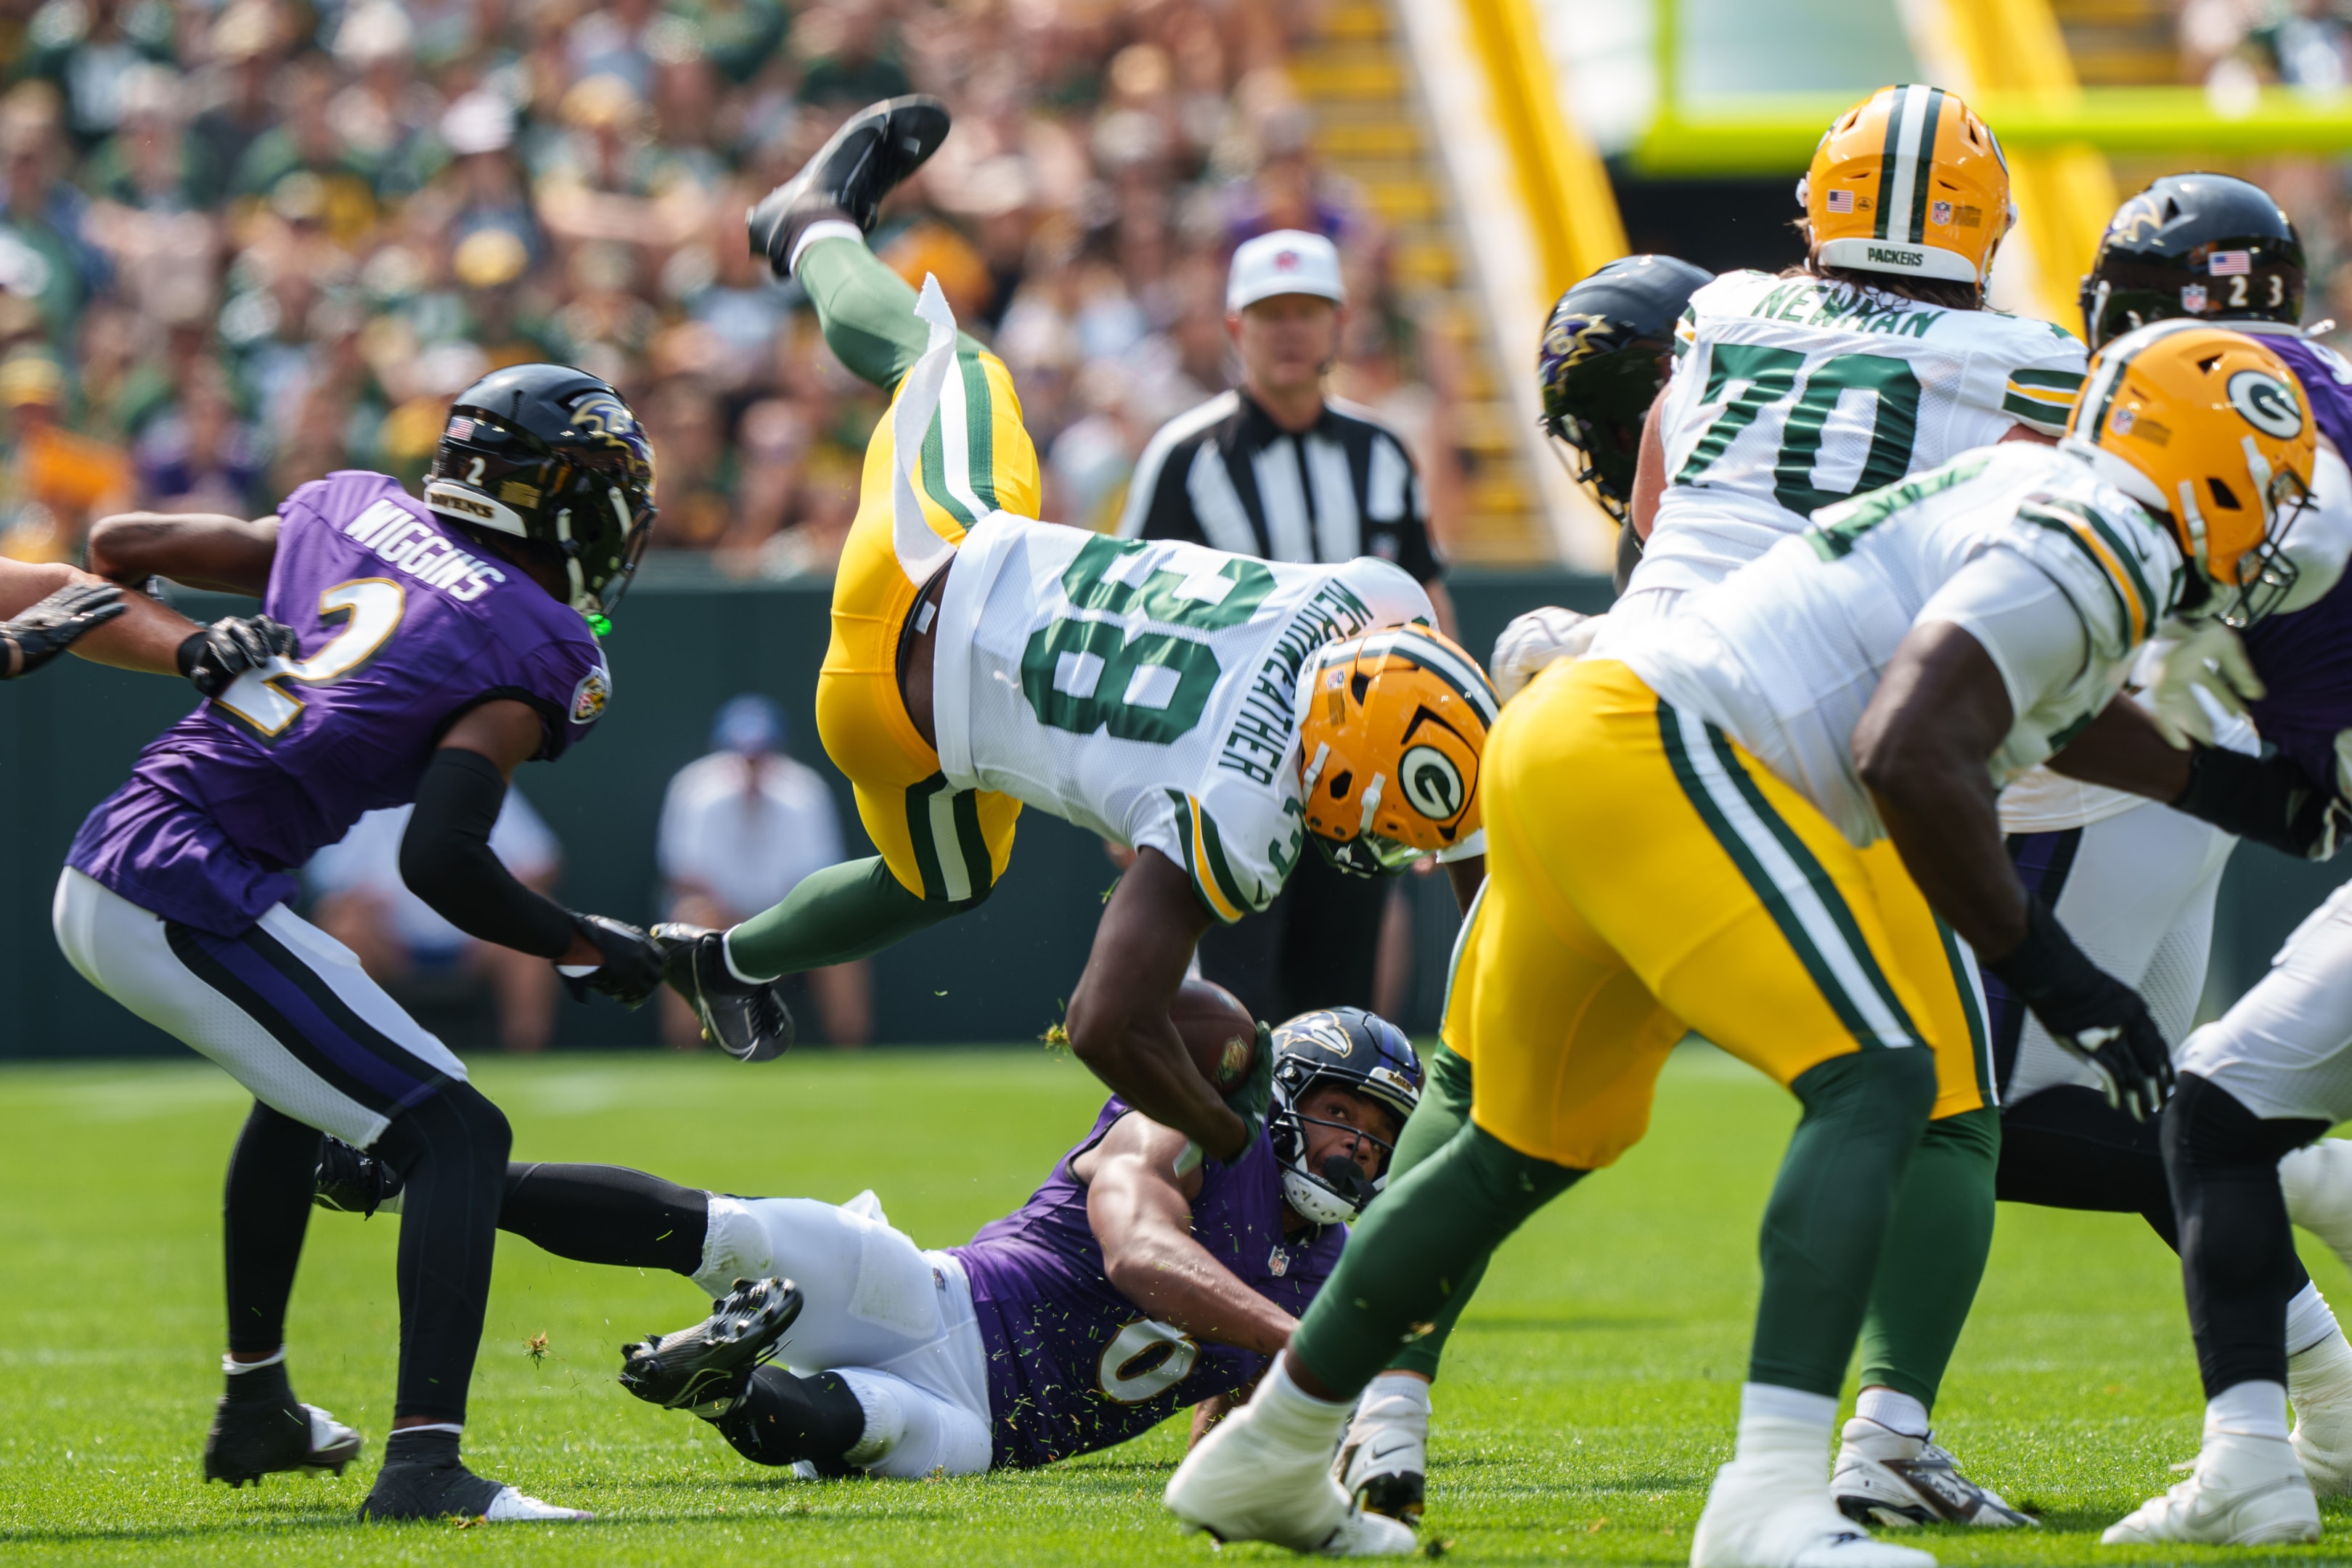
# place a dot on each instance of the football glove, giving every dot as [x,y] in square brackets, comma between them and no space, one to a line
[2095,1017]
[216,655]
[633,966]
[46,630]
[745,1018]
[1536,639]
[2199,672]
[2270,800]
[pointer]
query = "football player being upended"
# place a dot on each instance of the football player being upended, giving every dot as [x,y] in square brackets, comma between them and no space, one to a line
[435,645]
[1121,1292]
[1211,711]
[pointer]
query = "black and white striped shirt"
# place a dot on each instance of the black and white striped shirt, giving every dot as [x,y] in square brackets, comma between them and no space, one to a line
[1226,476]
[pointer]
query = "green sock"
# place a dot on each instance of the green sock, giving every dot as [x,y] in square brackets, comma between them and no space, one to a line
[1827,1221]
[868,312]
[1415,1249]
[844,912]
[1444,1111]
[1935,1248]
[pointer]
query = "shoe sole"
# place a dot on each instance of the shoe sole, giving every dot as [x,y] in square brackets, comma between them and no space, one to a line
[722,1359]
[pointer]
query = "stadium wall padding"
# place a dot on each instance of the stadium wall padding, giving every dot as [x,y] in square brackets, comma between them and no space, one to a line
[1000,974]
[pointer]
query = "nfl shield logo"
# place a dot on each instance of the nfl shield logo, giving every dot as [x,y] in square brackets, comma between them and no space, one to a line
[1278,1263]
[2192,298]
[1940,213]
[1841,201]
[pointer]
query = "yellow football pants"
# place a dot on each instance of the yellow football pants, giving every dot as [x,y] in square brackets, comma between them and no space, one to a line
[1645,874]
[939,843]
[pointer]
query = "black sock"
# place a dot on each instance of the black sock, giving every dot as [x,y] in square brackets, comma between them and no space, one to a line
[263,1212]
[606,1214]
[412,1446]
[261,1385]
[451,1150]
[782,1418]
[2237,1247]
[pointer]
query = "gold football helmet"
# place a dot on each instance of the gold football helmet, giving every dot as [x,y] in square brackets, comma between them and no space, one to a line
[1392,725]
[2211,428]
[1908,181]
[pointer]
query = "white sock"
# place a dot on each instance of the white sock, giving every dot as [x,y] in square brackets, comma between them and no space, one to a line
[1396,1398]
[885,1417]
[2254,1408]
[455,1429]
[1786,1425]
[2308,1319]
[235,1368]
[823,229]
[1289,1412]
[1894,1411]
[2320,1373]
[734,1244]
[727,951]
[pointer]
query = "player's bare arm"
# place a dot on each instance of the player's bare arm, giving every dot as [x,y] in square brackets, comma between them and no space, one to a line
[1141,1214]
[1118,1016]
[1941,709]
[2268,799]
[204,549]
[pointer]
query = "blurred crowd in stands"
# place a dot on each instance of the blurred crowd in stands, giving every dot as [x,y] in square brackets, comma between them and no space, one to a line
[245,242]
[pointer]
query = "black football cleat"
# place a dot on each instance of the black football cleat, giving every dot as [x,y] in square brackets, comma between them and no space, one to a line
[423,1479]
[709,1362]
[251,1439]
[352,1180]
[865,161]
[747,1019]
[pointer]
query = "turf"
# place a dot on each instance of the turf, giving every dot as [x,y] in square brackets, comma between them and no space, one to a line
[1588,1398]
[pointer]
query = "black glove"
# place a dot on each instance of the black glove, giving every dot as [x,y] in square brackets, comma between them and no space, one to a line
[46,630]
[217,655]
[2270,800]
[1253,1098]
[632,970]
[2094,1016]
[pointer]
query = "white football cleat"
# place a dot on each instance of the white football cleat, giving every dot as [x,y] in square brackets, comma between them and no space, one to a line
[2319,1386]
[1771,1516]
[1384,1464]
[2317,1183]
[1245,1482]
[1887,1478]
[511,1507]
[2246,1491]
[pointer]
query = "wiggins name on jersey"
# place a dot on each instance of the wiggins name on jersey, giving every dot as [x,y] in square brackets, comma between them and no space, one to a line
[1789,395]
[1146,689]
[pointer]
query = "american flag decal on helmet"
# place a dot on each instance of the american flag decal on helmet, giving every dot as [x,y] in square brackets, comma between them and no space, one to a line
[1841,201]
[460,427]
[2230,264]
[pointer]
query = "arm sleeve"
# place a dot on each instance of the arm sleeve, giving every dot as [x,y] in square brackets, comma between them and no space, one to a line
[2030,628]
[2040,387]
[446,859]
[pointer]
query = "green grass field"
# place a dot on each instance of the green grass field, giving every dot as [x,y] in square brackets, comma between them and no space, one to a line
[1591,1394]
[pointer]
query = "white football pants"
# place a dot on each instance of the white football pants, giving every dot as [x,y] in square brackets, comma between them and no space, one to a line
[2285,1048]
[893,1322]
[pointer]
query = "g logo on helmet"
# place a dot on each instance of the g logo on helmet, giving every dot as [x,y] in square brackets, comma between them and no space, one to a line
[1431,783]
[2267,403]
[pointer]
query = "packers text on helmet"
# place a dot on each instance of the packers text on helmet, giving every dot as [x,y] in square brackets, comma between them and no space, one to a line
[2211,429]
[1908,181]
[1391,726]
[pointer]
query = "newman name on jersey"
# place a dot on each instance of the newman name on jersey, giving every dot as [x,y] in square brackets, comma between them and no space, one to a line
[1145,690]
[1792,394]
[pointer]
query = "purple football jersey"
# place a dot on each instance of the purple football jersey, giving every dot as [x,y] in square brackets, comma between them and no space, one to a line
[1073,1365]
[2305,660]
[403,622]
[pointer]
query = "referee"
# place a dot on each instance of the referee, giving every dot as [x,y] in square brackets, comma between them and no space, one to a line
[1279,471]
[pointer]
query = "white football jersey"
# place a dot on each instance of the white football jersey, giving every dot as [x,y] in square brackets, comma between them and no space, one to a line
[1785,655]
[1144,690]
[1792,394]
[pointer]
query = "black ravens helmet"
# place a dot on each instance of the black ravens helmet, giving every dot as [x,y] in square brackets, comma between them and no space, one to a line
[553,455]
[1605,355]
[1359,1051]
[2194,244]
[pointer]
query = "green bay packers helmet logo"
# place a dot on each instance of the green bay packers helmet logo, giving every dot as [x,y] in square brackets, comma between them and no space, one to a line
[1431,783]
[2268,404]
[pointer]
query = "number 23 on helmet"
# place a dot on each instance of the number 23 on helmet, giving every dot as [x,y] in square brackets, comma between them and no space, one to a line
[1391,726]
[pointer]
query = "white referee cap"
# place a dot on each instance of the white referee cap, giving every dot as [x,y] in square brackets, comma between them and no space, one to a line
[1287,261]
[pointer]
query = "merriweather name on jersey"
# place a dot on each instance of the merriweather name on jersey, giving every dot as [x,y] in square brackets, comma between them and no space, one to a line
[1792,394]
[2058,575]
[1146,689]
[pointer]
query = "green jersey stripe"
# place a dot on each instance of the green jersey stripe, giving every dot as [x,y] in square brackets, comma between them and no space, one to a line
[2042,517]
[2130,559]
[2068,382]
